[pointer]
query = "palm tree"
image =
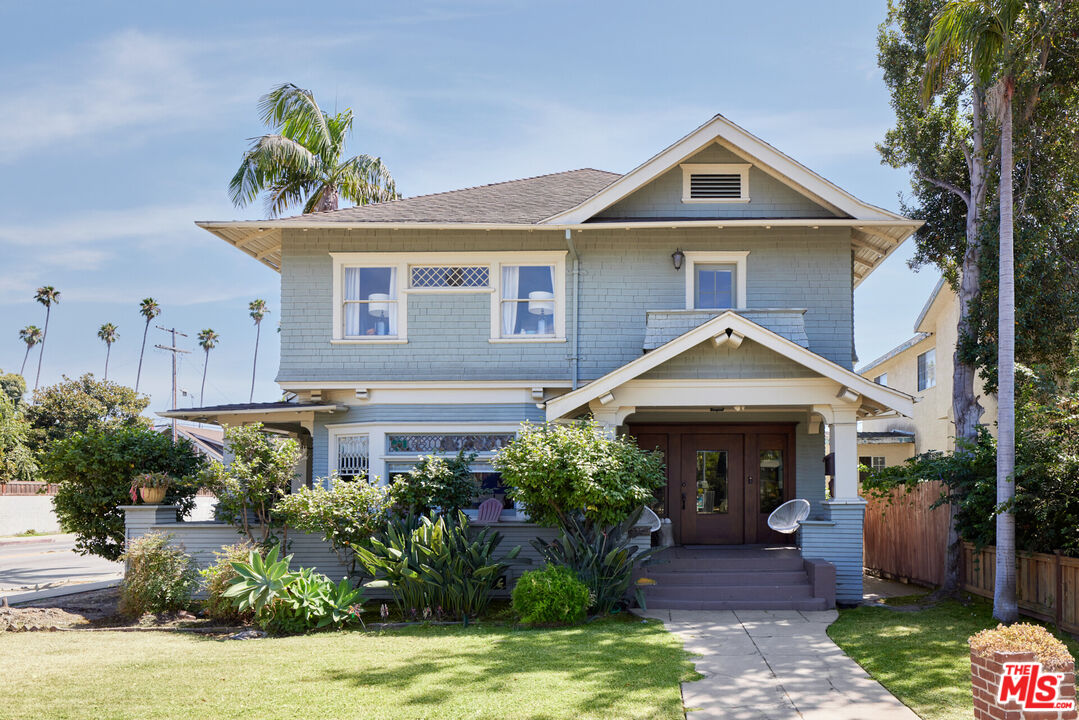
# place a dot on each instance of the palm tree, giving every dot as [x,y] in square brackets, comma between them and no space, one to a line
[31,335]
[258,311]
[994,35]
[301,162]
[48,296]
[149,309]
[109,335]
[207,341]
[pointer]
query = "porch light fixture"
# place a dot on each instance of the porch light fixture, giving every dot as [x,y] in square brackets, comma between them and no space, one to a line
[678,257]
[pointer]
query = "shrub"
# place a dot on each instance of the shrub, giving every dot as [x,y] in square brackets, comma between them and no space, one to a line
[291,602]
[603,559]
[83,405]
[216,579]
[159,577]
[259,475]
[346,515]
[1022,637]
[433,565]
[94,471]
[556,470]
[551,596]
[436,483]
[16,458]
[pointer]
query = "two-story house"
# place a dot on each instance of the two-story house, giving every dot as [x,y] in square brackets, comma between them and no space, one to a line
[702,302]
[921,366]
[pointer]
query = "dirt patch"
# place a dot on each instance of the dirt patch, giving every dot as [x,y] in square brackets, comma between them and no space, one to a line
[88,610]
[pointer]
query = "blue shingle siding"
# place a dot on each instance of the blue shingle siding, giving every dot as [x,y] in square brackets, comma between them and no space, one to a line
[838,539]
[663,326]
[662,198]
[624,274]
[750,360]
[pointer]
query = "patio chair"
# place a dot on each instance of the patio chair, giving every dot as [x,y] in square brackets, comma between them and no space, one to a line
[787,517]
[649,518]
[490,511]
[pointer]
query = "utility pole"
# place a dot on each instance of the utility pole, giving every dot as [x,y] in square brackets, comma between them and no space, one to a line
[172,349]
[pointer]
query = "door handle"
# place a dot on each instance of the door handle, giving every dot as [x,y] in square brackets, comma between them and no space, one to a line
[683,501]
[750,479]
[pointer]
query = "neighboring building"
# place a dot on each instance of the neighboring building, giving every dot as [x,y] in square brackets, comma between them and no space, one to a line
[703,303]
[922,366]
[208,441]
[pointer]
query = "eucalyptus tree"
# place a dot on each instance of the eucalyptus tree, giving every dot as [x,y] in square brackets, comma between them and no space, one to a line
[31,335]
[48,296]
[108,335]
[149,309]
[207,341]
[301,163]
[257,309]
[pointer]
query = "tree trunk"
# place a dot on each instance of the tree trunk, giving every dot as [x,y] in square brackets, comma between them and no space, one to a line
[138,375]
[1004,602]
[966,409]
[255,362]
[202,390]
[329,200]
[22,370]
[41,353]
[108,351]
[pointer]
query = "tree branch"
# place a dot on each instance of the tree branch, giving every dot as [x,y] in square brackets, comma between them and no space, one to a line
[944,185]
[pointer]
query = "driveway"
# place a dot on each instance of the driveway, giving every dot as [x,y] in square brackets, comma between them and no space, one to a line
[774,665]
[36,563]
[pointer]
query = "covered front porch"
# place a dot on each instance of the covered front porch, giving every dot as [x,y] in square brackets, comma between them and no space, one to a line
[747,419]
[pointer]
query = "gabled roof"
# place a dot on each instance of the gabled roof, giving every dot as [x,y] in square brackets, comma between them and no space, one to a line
[731,321]
[928,304]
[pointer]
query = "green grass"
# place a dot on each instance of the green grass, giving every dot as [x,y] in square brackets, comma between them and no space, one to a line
[618,668]
[922,656]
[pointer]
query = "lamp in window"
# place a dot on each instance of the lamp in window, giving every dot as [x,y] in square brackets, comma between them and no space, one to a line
[541,302]
[379,307]
[678,257]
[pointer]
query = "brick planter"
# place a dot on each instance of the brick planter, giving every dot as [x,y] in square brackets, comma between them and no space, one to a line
[985,676]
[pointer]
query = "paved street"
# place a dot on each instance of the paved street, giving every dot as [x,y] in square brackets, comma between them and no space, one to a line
[32,564]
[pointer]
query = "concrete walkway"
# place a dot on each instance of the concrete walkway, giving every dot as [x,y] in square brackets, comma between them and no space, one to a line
[774,665]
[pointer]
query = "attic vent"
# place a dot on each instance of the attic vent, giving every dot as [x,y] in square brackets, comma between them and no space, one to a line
[450,276]
[715,183]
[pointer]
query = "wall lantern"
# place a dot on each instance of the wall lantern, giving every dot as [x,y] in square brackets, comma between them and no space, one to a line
[678,256]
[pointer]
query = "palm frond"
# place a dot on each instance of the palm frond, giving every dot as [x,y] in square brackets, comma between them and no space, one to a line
[363,180]
[289,193]
[295,113]
[974,32]
[270,158]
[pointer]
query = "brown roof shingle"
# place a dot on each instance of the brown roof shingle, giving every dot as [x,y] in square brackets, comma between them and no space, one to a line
[515,201]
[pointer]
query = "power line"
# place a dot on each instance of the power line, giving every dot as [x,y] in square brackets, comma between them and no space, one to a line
[175,351]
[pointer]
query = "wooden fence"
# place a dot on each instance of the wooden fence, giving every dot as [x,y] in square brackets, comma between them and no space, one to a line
[1047,586]
[28,488]
[904,539]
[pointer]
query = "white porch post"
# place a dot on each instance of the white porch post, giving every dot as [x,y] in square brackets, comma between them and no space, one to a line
[609,417]
[844,440]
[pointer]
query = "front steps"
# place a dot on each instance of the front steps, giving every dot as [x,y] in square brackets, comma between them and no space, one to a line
[739,577]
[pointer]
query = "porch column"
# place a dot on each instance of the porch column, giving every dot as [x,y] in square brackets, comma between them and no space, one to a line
[610,418]
[844,441]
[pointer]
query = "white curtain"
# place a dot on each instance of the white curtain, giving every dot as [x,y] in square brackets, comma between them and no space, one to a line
[511,276]
[392,306]
[352,310]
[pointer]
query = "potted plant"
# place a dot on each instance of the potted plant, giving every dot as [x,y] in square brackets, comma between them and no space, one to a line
[151,487]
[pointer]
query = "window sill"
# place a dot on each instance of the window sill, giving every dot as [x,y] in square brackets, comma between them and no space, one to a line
[511,341]
[369,341]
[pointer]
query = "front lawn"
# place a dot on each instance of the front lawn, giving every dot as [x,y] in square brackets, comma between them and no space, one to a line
[619,668]
[922,656]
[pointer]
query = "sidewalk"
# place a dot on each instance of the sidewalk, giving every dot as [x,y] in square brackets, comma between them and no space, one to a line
[774,665]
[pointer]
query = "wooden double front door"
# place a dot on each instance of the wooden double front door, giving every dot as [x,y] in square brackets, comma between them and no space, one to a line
[723,480]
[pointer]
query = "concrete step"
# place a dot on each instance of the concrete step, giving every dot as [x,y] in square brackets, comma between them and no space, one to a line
[736,592]
[733,562]
[811,603]
[719,578]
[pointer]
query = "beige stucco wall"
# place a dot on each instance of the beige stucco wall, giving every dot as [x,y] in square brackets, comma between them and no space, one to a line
[893,453]
[932,423]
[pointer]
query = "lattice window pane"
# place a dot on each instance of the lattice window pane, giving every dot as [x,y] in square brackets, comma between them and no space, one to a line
[353,455]
[450,276]
[417,444]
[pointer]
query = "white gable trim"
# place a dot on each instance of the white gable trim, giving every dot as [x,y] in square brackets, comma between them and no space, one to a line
[851,382]
[737,139]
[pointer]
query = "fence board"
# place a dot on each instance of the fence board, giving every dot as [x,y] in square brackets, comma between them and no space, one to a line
[27,488]
[904,538]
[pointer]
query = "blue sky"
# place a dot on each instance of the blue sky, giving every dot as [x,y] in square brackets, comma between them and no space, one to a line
[123,123]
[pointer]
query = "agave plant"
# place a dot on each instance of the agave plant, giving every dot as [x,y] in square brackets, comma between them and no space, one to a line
[436,563]
[260,581]
[602,557]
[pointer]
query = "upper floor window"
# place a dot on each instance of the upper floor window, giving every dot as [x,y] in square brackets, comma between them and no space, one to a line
[370,302]
[450,276]
[528,300]
[881,379]
[927,369]
[715,183]
[715,280]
